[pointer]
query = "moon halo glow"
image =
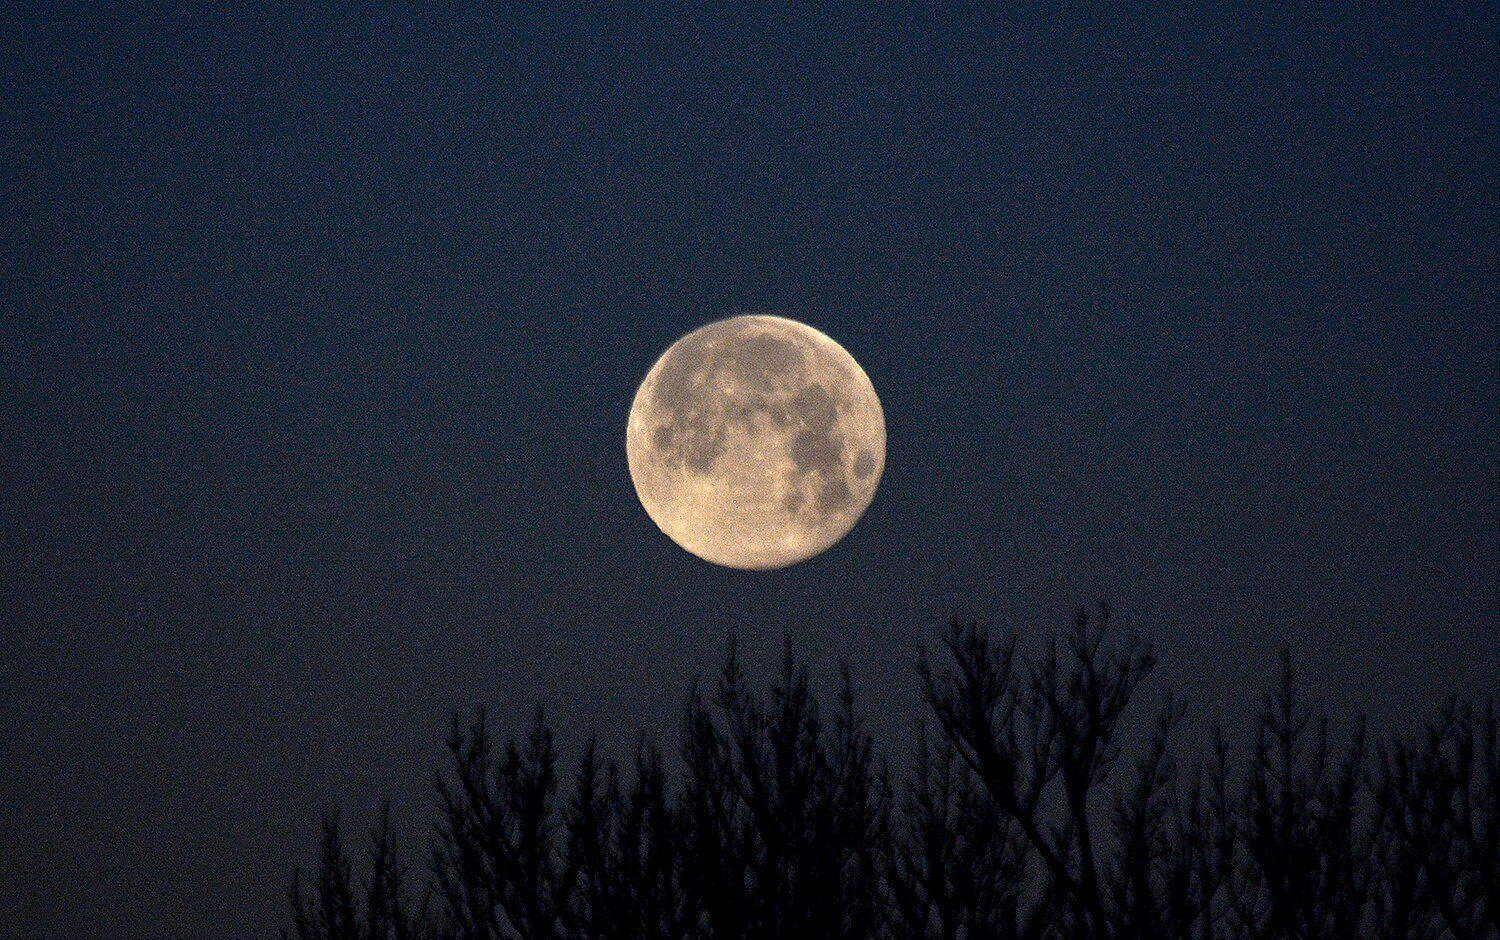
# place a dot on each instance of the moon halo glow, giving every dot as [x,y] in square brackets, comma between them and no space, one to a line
[756,442]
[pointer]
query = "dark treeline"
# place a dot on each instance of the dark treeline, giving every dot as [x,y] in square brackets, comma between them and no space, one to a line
[1036,806]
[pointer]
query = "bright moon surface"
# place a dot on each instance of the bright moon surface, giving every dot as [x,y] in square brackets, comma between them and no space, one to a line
[756,442]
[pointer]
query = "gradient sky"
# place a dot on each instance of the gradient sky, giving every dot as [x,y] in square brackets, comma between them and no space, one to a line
[318,331]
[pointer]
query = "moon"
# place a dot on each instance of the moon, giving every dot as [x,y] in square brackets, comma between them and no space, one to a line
[756,442]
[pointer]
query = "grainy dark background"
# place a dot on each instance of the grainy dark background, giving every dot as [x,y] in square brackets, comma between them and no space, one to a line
[318,329]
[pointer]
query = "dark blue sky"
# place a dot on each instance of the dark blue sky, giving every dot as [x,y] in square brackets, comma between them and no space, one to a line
[318,332]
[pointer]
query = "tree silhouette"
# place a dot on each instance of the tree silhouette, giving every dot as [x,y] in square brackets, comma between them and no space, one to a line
[783,816]
[1039,803]
[1437,858]
[1308,849]
[382,909]
[955,867]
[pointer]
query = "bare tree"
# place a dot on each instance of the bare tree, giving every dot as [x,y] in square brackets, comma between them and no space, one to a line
[497,860]
[955,867]
[1043,744]
[1308,849]
[783,816]
[1038,808]
[381,909]
[1476,755]
[624,844]
[1439,856]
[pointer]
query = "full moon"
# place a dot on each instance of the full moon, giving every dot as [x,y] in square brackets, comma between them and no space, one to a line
[756,442]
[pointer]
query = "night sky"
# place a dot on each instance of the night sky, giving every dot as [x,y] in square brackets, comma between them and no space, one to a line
[318,332]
